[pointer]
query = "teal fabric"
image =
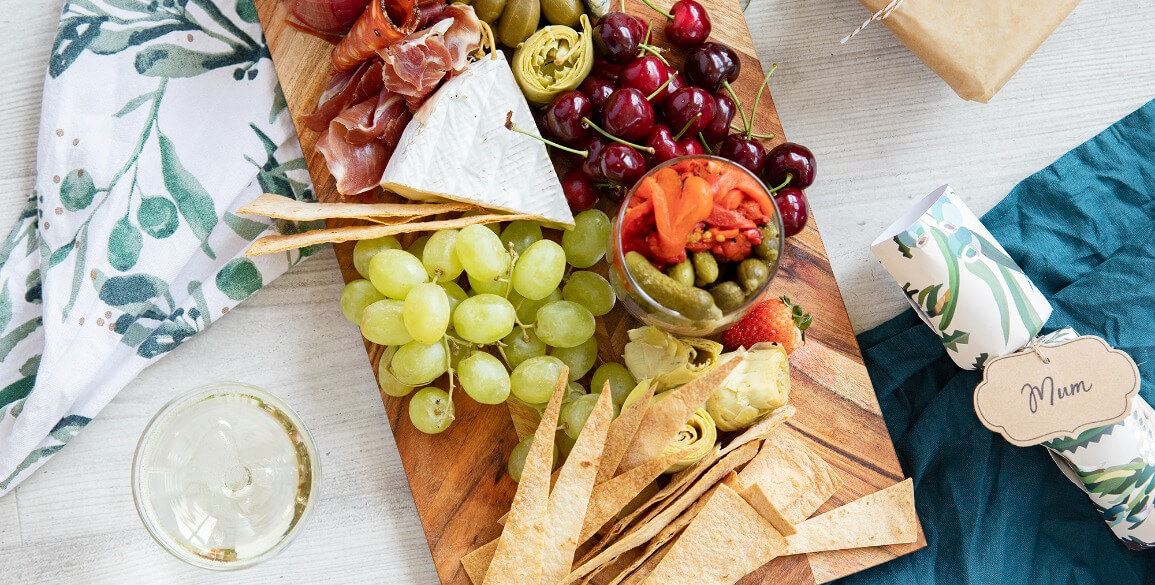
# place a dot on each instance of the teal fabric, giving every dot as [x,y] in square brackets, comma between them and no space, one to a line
[1083,229]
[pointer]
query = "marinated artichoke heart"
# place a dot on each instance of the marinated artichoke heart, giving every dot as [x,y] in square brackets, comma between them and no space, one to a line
[699,435]
[758,385]
[670,361]
[552,60]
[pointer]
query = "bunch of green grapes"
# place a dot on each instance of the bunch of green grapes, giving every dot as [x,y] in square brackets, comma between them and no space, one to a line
[523,313]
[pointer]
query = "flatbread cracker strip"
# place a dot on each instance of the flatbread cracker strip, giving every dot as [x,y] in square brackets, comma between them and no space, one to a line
[609,498]
[518,557]
[280,207]
[885,517]
[622,432]
[282,243]
[796,480]
[758,499]
[476,563]
[570,497]
[663,419]
[726,541]
[645,532]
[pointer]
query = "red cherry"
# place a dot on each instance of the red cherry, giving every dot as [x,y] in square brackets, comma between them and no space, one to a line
[790,164]
[628,115]
[690,24]
[615,193]
[603,68]
[647,74]
[598,88]
[591,165]
[579,191]
[792,207]
[691,108]
[744,151]
[710,64]
[622,164]
[719,128]
[688,146]
[616,37]
[563,116]
[663,143]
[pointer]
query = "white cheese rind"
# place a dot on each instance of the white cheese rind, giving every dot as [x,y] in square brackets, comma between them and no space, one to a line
[457,147]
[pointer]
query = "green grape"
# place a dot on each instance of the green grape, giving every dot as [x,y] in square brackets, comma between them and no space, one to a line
[590,290]
[483,318]
[357,295]
[455,293]
[573,415]
[519,453]
[520,234]
[440,256]
[426,312]
[365,250]
[580,358]
[382,323]
[572,391]
[520,345]
[417,363]
[431,410]
[394,272]
[389,383]
[533,380]
[586,243]
[620,378]
[527,309]
[493,227]
[484,378]
[564,324]
[417,248]
[539,270]
[488,287]
[482,253]
[564,444]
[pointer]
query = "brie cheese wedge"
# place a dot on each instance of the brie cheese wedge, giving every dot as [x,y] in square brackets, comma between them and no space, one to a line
[458,148]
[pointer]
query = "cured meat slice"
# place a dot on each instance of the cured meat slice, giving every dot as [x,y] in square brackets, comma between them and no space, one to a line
[383,23]
[344,89]
[414,67]
[358,143]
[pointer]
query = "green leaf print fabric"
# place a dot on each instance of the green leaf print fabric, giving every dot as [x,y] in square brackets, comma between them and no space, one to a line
[160,118]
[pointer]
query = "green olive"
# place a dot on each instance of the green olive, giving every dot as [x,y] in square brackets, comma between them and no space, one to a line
[752,273]
[518,21]
[705,268]
[683,272]
[728,295]
[562,11]
[489,10]
[768,248]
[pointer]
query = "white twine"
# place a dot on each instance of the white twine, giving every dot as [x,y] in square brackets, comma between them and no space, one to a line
[881,14]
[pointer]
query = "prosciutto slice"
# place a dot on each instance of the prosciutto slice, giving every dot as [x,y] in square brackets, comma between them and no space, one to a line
[383,23]
[358,142]
[415,66]
[344,89]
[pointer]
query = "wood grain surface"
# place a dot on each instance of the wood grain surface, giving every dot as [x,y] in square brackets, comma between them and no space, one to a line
[458,477]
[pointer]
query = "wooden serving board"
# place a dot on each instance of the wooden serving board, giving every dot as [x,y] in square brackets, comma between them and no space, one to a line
[458,477]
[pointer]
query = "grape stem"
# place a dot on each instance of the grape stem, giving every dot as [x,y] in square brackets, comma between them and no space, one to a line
[448,368]
[737,105]
[501,350]
[508,276]
[660,88]
[511,126]
[705,145]
[599,130]
[678,136]
[658,10]
[789,177]
[758,98]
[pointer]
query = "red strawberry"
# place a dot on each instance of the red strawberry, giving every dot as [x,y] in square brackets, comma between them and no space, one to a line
[776,320]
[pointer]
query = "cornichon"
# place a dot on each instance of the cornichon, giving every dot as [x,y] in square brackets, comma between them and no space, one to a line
[683,272]
[518,21]
[694,303]
[489,10]
[752,272]
[728,295]
[554,59]
[705,267]
[565,12]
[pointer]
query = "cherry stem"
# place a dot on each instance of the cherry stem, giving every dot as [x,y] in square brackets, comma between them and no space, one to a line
[678,136]
[738,105]
[646,38]
[752,134]
[705,145]
[758,98]
[660,88]
[654,51]
[658,10]
[511,126]
[590,123]
[789,177]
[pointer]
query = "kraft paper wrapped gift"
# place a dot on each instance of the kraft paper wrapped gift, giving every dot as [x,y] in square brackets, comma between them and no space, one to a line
[974,45]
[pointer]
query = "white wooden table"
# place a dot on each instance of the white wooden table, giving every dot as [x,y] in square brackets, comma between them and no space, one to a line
[885,129]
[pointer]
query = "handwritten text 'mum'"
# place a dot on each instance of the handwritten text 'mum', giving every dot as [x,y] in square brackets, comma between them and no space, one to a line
[1047,392]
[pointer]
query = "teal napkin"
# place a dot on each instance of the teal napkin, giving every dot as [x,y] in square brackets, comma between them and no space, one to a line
[1083,229]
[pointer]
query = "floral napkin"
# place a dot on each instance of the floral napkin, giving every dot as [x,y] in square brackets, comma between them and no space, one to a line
[160,118]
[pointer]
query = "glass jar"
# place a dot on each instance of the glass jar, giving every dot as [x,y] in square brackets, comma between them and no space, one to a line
[642,305]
